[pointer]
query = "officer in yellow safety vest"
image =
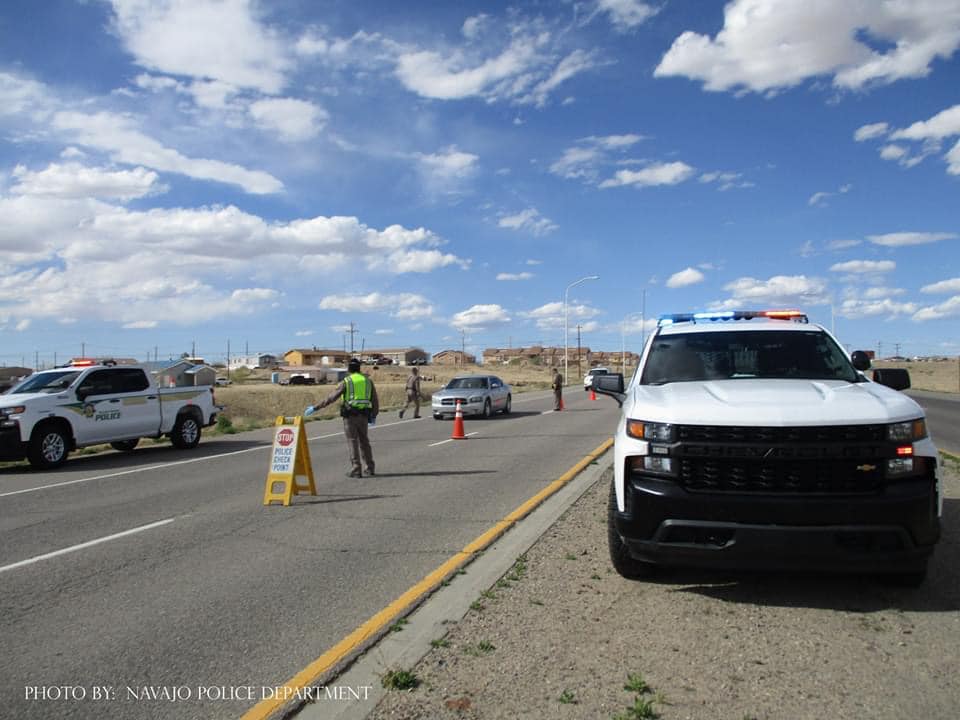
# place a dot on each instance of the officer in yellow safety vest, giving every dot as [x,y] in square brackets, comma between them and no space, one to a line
[359,408]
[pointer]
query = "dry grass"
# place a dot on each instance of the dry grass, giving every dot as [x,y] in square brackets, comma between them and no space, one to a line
[943,376]
[256,402]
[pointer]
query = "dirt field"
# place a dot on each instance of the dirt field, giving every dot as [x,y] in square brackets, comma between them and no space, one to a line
[561,635]
[943,376]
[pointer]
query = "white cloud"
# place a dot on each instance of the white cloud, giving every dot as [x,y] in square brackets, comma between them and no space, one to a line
[626,14]
[942,125]
[205,39]
[767,45]
[584,160]
[943,286]
[685,278]
[529,220]
[514,276]
[473,26]
[910,238]
[725,180]
[118,136]
[403,306]
[72,180]
[819,198]
[23,96]
[864,266]
[444,172]
[657,174]
[953,160]
[293,120]
[853,308]
[550,316]
[480,317]
[950,308]
[871,132]
[778,291]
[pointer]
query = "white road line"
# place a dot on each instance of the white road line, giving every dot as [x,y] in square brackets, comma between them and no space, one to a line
[451,439]
[90,543]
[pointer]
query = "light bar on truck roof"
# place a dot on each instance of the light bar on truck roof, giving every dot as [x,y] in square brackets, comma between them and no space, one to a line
[702,317]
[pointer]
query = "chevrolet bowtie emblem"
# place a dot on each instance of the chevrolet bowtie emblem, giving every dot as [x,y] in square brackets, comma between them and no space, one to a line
[866,468]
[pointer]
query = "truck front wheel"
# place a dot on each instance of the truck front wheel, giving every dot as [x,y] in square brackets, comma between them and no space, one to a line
[624,563]
[48,447]
[185,433]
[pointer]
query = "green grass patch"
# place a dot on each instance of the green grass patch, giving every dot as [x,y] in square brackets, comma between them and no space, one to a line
[400,680]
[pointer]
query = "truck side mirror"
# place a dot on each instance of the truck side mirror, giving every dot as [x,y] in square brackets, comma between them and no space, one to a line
[895,378]
[860,360]
[610,384]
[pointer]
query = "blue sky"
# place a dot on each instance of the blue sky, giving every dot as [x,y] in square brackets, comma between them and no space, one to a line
[184,174]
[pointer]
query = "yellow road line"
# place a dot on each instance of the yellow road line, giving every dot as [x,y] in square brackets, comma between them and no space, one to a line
[403,604]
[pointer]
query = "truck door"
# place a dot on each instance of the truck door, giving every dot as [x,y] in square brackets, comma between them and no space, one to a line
[118,403]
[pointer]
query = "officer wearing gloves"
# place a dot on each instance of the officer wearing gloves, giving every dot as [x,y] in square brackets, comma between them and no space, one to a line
[359,407]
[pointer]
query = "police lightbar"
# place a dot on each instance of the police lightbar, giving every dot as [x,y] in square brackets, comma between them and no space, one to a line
[794,315]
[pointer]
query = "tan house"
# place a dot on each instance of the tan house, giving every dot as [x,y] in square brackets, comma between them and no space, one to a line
[454,357]
[315,356]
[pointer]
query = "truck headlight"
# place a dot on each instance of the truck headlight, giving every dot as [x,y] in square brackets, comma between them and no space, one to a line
[910,431]
[656,432]
[15,410]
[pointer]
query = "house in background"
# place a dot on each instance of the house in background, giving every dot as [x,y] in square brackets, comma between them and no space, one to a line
[185,374]
[253,362]
[10,376]
[454,357]
[302,357]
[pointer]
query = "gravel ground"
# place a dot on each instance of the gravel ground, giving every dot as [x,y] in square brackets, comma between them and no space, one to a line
[563,636]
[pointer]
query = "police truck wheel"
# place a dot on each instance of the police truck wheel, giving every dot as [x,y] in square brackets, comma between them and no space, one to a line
[48,447]
[125,445]
[185,433]
[625,564]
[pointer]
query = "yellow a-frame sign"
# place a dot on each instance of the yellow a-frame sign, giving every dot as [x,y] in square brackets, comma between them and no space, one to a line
[289,460]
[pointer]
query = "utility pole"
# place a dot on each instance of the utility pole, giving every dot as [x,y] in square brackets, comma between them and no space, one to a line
[579,369]
[228,358]
[463,346]
[353,331]
[897,349]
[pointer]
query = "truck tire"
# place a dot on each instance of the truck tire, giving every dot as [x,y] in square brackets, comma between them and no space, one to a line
[626,565]
[125,445]
[49,446]
[186,432]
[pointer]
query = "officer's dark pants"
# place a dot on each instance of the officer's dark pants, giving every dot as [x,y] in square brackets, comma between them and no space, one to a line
[557,398]
[358,441]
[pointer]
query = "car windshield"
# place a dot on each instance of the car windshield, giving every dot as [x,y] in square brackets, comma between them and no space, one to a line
[46,382]
[467,384]
[810,355]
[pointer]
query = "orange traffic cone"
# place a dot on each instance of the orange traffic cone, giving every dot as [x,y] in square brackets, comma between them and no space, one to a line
[458,433]
[562,407]
[593,395]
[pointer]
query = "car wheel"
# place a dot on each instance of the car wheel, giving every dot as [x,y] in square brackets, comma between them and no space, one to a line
[185,433]
[487,409]
[48,447]
[624,563]
[507,407]
[437,417]
[125,445]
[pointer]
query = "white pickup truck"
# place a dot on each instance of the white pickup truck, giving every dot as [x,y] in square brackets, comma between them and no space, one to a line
[750,439]
[52,412]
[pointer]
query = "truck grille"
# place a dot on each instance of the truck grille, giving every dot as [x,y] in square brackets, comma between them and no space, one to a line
[847,459]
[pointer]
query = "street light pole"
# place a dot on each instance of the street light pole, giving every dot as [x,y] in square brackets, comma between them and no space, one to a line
[565,333]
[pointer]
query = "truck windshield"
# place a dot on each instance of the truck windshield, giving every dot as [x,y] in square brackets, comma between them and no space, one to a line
[809,355]
[49,382]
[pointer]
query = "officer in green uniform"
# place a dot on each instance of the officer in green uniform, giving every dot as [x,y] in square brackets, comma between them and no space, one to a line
[359,408]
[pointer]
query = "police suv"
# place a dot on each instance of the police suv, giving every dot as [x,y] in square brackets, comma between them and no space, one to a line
[52,412]
[750,440]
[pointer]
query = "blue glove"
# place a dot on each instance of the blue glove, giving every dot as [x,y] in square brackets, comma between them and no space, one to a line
[309,411]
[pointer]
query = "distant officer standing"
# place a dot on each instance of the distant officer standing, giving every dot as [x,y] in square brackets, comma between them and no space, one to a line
[359,407]
[413,393]
[557,390]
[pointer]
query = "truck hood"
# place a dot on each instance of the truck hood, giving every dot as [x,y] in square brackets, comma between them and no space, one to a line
[770,403]
[9,400]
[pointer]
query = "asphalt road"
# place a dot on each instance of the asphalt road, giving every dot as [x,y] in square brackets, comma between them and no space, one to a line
[943,418]
[185,584]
